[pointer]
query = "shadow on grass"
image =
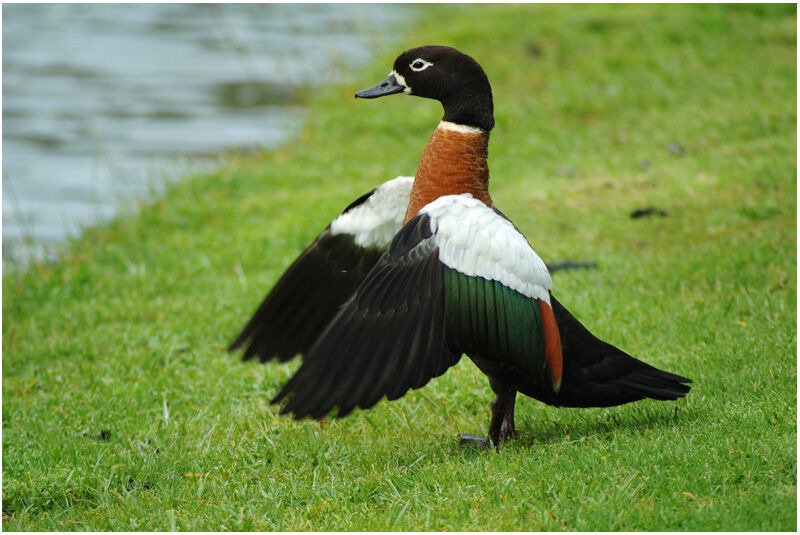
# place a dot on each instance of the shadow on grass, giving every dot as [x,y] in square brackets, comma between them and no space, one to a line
[577,429]
[608,424]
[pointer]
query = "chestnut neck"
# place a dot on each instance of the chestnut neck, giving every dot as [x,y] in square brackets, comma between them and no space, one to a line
[454,162]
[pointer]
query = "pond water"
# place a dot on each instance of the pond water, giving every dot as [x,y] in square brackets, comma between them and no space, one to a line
[102,104]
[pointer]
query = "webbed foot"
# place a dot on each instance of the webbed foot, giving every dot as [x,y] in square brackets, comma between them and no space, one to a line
[466,440]
[501,428]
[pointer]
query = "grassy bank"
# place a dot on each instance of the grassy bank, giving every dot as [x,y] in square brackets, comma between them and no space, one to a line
[121,409]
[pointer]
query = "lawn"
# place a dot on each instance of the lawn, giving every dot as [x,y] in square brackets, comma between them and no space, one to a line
[122,410]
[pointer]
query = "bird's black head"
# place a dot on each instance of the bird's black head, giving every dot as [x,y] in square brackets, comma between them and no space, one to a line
[444,74]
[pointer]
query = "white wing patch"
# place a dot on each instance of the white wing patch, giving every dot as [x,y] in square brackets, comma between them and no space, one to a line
[374,222]
[475,240]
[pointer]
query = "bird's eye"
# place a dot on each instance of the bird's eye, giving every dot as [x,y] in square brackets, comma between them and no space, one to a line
[419,64]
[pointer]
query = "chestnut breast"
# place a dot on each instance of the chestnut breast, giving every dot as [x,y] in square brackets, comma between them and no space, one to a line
[454,162]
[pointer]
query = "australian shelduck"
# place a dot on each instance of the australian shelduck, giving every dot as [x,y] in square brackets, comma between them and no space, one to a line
[425,269]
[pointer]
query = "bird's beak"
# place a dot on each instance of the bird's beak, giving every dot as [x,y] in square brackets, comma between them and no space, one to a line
[389,86]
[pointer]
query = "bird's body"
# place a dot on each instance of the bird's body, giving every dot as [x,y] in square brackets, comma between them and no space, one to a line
[420,271]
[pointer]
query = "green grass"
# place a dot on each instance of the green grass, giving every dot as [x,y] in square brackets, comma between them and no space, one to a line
[126,333]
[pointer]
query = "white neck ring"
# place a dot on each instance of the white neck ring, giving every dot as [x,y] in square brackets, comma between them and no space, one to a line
[460,128]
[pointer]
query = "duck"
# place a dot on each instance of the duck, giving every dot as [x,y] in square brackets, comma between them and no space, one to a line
[423,270]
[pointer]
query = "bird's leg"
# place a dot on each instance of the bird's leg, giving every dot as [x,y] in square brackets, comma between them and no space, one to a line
[501,427]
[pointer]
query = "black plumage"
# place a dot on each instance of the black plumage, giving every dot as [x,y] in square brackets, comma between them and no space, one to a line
[597,374]
[306,298]
[389,337]
[413,317]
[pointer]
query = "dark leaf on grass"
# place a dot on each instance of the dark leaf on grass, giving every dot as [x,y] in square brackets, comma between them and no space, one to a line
[569,264]
[103,434]
[132,485]
[533,49]
[647,212]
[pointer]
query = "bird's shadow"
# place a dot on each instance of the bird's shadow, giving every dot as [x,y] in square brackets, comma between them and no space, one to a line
[588,427]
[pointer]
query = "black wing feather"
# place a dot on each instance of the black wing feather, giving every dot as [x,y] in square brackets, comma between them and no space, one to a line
[389,337]
[306,298]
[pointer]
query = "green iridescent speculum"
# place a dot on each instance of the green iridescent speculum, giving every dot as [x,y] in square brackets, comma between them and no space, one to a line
[486,317]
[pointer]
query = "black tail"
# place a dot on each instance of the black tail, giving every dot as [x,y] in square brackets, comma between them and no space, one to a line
[597,374]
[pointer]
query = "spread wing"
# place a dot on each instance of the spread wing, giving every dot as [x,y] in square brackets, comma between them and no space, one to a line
[458,277]
[325,275]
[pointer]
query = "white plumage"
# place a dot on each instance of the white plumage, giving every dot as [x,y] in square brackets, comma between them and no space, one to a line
[374,222]
[476,241]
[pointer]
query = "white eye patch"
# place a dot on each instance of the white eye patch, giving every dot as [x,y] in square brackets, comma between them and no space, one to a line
[419,64]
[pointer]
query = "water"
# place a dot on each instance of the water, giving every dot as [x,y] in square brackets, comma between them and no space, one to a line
[103,103]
